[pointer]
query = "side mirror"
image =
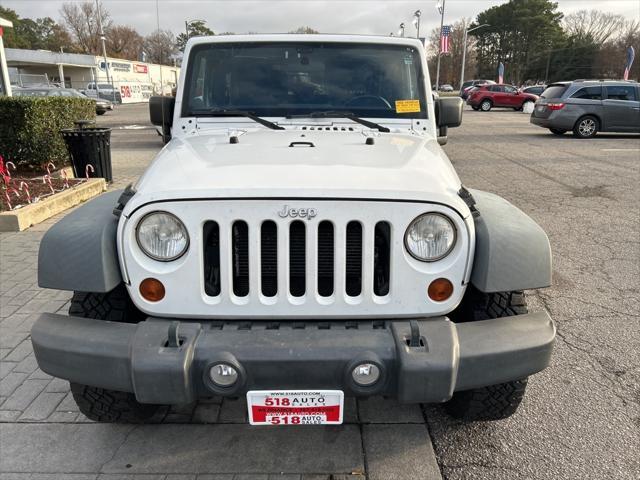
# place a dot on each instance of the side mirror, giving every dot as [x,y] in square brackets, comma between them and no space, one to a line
[161,112]
[448,114]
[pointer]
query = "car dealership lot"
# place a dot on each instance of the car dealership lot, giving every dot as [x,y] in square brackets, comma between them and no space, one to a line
[580,418]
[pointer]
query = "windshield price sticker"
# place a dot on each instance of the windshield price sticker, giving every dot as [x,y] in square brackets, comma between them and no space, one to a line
[295,407]
[407,106]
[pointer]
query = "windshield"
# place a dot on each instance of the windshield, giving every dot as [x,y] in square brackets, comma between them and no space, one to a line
[281,79]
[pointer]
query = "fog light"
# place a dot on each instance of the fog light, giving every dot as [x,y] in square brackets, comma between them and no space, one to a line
[223,375]
[152,289]
[440,290]
[365,374]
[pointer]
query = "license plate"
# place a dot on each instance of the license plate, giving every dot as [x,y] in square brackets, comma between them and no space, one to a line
[295,407]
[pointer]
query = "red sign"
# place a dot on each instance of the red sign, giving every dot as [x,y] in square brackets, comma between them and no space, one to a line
[140,68]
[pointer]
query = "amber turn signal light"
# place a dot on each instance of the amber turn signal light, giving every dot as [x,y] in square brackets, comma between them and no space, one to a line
[152,289]
[440,290]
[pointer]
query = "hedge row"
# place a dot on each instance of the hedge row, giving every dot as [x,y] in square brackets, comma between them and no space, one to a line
[30,128]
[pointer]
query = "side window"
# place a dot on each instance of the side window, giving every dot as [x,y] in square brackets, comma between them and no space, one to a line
[621,92]
[509,89]
[494,88]
[589,93]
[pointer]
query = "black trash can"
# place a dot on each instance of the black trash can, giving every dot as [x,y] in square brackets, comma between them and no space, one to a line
[89,145]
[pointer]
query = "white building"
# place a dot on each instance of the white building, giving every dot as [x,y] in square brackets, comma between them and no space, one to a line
[136,81]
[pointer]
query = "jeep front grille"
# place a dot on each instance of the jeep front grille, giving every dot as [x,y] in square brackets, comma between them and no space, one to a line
[297,259]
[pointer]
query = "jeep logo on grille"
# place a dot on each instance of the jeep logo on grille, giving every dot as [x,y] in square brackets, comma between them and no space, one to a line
[307,213]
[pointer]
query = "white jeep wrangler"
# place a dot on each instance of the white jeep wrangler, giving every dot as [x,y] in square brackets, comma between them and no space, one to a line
[302,237]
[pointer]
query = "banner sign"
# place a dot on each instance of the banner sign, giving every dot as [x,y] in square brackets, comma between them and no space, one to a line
[631,55]
[116,66]
[133,92]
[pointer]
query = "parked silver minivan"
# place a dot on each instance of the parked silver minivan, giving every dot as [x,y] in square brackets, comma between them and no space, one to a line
[589,107]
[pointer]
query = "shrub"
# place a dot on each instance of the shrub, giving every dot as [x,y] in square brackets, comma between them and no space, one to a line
[30,128]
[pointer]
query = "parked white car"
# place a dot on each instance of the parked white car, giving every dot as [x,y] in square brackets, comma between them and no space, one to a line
[301,238]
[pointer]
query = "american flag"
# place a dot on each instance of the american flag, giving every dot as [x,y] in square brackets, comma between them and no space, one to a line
[444,39]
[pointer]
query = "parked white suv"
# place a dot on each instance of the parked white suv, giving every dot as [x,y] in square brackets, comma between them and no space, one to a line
[302,237]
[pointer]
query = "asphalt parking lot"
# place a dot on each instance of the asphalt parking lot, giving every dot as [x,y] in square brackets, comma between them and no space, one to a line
[580,418]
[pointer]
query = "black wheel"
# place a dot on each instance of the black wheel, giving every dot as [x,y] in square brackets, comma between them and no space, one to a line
[99,404]
[109,406]
[586,127]
[557,131]
[494,402]
[486,105]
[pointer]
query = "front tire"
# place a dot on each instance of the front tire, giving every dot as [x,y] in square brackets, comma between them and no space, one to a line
[110,406]
[494,402]
[586,127]
[486,105]
[100,404]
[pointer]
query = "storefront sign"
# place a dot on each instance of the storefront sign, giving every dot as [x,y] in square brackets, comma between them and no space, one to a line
[140,68]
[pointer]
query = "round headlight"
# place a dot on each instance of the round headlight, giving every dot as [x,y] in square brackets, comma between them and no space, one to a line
[430,237]
[162,236]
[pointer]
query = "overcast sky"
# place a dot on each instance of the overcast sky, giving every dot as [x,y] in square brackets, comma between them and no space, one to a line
[266,16]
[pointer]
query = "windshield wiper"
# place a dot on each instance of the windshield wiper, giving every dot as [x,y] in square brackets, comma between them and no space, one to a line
[338,114]
[237,113]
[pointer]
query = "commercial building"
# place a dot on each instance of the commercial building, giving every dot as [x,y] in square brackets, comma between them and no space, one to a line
[135,81]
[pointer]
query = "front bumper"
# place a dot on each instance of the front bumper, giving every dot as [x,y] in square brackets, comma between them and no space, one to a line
[293,355]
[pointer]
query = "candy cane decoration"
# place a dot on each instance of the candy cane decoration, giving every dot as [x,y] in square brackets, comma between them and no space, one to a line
[6,195]
[66,179]
[86,170]
[7,174]
[49,167]
[47,179]
[25,187]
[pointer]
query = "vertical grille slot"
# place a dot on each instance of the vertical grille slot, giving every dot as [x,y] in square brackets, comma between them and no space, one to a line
[211,235]
[297,258]
[240,250]
[325,258]
[269,258]
[382,259]
[353,277]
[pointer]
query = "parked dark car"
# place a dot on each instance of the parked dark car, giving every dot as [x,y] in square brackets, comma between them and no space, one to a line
[102,106]
[486,97]
[534,89]
[469,84]
[589,107]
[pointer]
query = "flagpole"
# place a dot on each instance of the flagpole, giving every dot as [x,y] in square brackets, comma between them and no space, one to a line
[440,45]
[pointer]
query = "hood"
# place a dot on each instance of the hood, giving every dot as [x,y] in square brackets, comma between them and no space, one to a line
[333,163]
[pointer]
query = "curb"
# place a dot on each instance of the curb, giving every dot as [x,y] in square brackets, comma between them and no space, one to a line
[25,217]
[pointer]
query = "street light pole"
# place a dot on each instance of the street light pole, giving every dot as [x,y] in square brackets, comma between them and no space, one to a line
[441,8]
[416,22]
[464,50]
[104,53]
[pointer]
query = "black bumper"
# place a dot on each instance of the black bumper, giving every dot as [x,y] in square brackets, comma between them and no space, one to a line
[293,355]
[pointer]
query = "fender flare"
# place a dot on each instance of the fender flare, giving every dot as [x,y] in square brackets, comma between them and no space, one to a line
[79,252]
[512,250]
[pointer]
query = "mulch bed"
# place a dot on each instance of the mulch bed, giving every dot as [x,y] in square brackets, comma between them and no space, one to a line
[14,194]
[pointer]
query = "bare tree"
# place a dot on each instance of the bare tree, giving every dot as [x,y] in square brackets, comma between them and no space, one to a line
[82,22]
[124,42]
[594,24]
[160,47]
[304,30]
[451,63]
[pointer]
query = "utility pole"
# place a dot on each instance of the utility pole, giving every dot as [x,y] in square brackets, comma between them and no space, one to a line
[441,9]
[464,50]
[104,53]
